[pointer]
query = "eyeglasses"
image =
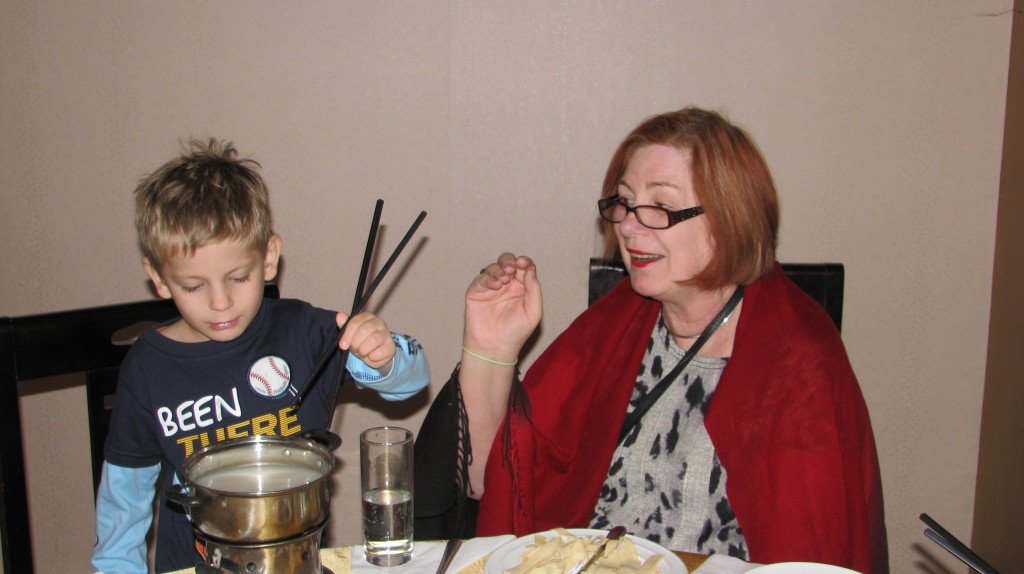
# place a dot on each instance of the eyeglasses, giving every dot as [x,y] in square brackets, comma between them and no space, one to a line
[614,210]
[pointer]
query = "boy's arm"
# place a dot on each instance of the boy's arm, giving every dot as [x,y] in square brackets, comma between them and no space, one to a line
[407,375]
[124,512]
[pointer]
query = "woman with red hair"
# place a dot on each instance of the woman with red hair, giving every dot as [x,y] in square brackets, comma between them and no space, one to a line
[706,403]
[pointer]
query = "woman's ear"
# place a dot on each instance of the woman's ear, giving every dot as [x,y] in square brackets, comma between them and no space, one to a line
[272,258]
[158,283]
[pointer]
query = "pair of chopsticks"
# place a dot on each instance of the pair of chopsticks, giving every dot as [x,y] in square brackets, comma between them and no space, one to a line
[361,297]
[943,538]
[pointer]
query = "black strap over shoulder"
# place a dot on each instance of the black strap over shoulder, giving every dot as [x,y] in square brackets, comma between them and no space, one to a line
[633,419]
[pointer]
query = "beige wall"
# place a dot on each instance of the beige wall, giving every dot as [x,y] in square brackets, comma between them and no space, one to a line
[999,507]
[882,121]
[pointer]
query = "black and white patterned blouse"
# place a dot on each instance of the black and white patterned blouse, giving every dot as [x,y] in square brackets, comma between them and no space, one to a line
[665,482]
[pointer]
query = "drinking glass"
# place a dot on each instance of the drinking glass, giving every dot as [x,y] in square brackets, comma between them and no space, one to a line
[385,462]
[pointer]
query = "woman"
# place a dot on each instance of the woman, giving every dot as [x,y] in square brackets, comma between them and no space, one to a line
[760,445]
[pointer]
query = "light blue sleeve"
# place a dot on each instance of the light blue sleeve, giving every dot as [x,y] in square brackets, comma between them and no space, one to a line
[124,512]
[408,374]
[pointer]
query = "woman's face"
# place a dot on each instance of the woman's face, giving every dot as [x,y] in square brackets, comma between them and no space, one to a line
[658,259]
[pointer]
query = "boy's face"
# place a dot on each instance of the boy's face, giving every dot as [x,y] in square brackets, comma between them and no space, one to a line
[218,290]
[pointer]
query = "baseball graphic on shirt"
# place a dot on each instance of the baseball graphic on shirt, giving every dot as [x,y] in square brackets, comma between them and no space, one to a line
[270,376]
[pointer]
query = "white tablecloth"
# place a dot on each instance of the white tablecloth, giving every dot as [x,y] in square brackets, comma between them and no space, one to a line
[427,557]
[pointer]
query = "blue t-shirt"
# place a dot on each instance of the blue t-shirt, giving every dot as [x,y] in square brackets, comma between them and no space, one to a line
[175,398]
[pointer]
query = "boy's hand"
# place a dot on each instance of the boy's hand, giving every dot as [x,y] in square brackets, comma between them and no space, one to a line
[368,337]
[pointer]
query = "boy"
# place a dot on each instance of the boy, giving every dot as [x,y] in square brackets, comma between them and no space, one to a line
[204,226]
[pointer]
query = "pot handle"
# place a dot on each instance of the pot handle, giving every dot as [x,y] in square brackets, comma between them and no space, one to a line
[323,436]
[186,496]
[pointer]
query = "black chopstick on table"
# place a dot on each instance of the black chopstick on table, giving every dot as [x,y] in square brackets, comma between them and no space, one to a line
[333,345]
[450,550]
[954,546]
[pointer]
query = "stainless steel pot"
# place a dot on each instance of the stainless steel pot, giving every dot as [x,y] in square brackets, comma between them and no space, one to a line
[258,488]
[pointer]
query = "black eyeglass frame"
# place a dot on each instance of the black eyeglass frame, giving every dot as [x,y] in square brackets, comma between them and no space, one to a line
[674,217]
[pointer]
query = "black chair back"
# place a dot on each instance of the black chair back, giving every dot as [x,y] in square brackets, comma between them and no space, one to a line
[822,281]
[92,341]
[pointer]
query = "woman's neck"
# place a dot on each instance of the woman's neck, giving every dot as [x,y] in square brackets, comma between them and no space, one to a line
[687,316]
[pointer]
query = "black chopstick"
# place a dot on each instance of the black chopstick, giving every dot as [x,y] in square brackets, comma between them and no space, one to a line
[368,254]
[333,345]
[450,550]
[954,546]
[364,270]
[371,241]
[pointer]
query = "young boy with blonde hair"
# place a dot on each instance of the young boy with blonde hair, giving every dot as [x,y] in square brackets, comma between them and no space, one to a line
[204,226]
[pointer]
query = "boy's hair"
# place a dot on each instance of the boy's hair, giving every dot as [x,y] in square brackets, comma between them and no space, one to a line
[206,195]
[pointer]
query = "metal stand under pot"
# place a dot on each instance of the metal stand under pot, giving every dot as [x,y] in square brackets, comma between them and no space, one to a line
[298,555]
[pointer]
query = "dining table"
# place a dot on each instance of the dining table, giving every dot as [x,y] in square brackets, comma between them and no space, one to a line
[472,559]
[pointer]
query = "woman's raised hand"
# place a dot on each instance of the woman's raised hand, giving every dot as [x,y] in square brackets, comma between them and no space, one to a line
[503,307]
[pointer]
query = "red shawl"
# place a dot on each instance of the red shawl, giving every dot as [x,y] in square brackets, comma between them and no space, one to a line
[787,421]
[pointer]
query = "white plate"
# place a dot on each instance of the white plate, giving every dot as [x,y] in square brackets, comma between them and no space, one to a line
[506,557]
[800,568]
